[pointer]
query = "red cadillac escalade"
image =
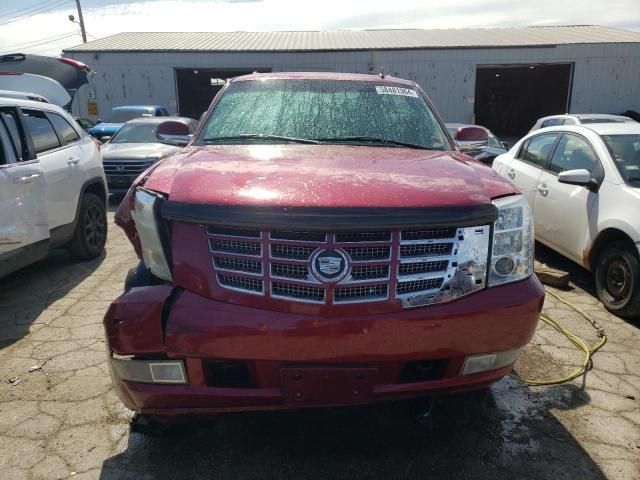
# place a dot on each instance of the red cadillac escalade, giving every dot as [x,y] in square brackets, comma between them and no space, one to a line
[319,241]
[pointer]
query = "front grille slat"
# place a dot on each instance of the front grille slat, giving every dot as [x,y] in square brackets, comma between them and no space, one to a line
[292,252]
[412,267]
[368,254]
[235,246]
[300,292]
[125,167]
[425,250]
[241,283]
[359,293]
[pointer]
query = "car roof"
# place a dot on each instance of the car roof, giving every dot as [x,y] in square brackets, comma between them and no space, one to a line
[588,116]
[18,102]
[155,120]
[358,77]
[627,128]
[136,107]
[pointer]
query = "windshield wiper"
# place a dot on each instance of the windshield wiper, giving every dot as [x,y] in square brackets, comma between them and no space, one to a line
[259,136]
[380,140]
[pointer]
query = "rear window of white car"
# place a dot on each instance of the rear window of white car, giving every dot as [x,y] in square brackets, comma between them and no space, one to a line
[64,129]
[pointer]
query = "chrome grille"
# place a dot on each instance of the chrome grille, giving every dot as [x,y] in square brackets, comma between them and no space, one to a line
[125,167]
[416,267]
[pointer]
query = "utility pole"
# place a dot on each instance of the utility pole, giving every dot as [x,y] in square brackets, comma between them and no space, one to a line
[81,21]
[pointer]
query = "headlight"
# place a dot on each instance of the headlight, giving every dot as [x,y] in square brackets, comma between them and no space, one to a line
[512,245]
[144,216]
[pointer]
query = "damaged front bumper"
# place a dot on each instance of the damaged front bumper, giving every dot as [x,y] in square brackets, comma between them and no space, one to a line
[234,357]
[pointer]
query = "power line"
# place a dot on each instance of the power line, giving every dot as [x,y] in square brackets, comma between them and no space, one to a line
[36,12]
[13,13]
[45,42]
[24,44]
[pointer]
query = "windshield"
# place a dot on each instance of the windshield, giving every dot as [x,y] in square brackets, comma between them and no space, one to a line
[136,133]
[625,150]
[123,116]
[331,111]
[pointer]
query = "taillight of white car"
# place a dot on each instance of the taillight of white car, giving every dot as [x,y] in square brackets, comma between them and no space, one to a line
[144,216]
[513,239]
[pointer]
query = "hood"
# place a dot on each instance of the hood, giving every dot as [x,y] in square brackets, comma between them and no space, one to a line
[325,176]
[136,151]
[105,128]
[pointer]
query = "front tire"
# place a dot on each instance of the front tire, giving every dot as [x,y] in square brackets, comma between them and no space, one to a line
[618,279]
[90,235]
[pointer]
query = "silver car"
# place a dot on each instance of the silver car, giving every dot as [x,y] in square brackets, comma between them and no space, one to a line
[134,148]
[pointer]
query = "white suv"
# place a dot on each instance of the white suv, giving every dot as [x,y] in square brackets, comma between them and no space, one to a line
[583,185]
[52,187]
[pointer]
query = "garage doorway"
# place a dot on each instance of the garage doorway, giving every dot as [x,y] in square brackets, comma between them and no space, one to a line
[196,87]
[510,98]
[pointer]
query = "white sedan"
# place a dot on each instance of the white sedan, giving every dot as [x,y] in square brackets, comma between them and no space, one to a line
[583,185]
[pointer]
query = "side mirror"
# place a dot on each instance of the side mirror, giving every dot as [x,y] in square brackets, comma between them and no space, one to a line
[580,176]
[471,139]
[105,139]
[173,133]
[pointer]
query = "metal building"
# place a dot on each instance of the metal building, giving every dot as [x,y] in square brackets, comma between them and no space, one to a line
[503,78]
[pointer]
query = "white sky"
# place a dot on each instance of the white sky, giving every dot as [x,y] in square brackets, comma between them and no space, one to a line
[106,17]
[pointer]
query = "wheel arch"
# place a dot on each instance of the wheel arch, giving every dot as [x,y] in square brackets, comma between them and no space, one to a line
[608,235]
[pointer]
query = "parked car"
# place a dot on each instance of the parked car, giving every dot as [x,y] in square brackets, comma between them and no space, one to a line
[85,123]
[52,186]
[292,258]
[484,152]
[120,115]
[135,147]
[578,119]
[583,185]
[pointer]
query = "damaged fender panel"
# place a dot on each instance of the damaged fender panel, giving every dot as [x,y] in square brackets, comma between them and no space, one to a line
[133,323]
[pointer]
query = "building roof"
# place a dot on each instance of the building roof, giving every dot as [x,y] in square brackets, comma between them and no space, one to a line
[356,39]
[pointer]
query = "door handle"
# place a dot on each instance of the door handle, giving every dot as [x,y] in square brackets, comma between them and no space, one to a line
[511,174]
[544,191]
[73,161]
[27,178]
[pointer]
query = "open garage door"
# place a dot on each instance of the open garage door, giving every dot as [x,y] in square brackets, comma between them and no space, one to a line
[196,87]
[510,98]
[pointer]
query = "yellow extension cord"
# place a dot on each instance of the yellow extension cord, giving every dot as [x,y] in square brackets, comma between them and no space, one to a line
[577,341]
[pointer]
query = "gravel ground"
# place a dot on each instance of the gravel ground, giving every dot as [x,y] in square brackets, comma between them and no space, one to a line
[62,419]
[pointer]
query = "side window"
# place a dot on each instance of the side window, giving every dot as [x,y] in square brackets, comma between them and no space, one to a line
[538,149]
[573,152]
[10,121]
[42,132]
[552,122]
[63,128]
[6,146]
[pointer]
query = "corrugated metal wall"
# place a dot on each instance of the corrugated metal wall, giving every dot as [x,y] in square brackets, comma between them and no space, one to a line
[606,76]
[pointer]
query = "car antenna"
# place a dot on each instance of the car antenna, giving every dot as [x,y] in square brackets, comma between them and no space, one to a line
[381,74]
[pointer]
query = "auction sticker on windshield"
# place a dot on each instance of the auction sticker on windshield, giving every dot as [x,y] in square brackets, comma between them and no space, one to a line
[386,90]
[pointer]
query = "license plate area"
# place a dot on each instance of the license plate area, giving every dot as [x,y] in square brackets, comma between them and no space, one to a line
[317,386]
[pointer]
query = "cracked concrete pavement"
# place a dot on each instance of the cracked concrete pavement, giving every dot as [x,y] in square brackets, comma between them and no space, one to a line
[60,418]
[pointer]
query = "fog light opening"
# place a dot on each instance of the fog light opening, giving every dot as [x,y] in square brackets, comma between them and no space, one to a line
[167,372]
[489,361]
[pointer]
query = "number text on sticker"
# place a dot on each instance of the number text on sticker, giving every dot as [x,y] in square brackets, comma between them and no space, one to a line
[386,90]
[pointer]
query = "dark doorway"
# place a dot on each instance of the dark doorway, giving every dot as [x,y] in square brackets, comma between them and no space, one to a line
[510,98]
[197,86]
